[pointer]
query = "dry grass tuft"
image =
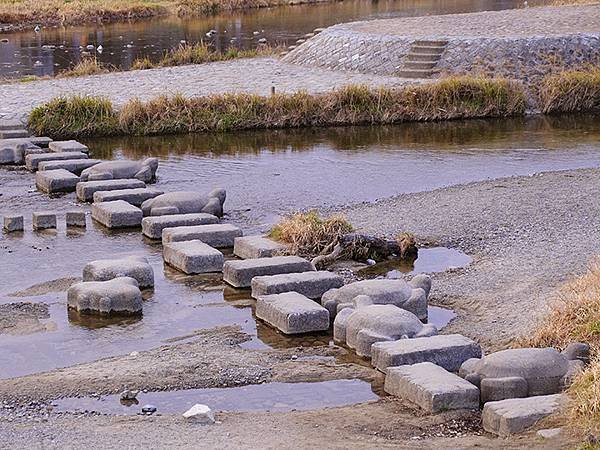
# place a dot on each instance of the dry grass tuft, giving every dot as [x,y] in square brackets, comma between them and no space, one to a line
[85,67]
[307,234]
[201,53]
[575,316]
[75,116]
[571,91]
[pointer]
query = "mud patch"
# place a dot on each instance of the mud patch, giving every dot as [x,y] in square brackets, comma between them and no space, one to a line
[47,287]
[19,319]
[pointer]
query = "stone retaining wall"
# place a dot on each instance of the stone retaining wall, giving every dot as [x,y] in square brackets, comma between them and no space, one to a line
[526,58]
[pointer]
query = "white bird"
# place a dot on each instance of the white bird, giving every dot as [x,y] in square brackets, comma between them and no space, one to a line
[37,29]
[100,49]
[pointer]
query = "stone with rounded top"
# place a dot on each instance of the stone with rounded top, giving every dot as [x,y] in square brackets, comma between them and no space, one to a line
[186,202]
[395,292]
[200,414]
[361,328]
[135,267]
[542,370]
[144,170]
[120,296]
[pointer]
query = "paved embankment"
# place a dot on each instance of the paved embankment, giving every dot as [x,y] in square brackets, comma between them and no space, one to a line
[255,76]
[520,43]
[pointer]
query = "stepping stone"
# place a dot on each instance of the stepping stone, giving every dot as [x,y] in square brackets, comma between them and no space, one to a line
[118,296]
[135,196]
[13,223]
[32,160]
[72,165]
[8,124]
[40,141]
[135,267]
[75,219]
[215,235]
[12,154]
[13,134]
[152,226]
[43,220]
[431,387]
[144,170]
[240,273]
[395,292]
[515,415]
[366,324]
[193,257]
[250,247]
[67,146]
[86,189]
[447,351]
[59,180]
[117,214]
[292,313]
[311,284]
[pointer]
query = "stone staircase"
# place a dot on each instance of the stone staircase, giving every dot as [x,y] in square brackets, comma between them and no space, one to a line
[422,58]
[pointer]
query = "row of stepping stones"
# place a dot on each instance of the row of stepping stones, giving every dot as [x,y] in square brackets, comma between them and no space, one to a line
[379,319]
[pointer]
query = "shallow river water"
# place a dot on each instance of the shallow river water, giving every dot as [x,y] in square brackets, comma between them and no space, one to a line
[55,49]
[266,174]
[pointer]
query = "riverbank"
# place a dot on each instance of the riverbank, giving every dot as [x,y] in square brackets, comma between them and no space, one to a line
[517,230]
[22,14]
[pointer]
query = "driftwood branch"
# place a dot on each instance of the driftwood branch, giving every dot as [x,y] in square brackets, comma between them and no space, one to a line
[362,246]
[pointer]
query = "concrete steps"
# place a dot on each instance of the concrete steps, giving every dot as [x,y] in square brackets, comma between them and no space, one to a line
[422,58]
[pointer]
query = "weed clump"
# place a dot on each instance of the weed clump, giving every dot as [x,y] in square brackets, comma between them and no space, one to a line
[74,117]
[307,234]
[571,91]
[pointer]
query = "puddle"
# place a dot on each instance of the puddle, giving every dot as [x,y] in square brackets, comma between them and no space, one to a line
[277,397]
[440,317]
[429,260]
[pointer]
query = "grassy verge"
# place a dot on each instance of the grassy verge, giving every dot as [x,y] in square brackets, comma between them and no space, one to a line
[575,317]
[201,53]
[571,91]
[23,13]
[452,98]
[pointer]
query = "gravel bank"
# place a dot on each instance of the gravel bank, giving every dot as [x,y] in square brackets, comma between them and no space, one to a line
[527,235]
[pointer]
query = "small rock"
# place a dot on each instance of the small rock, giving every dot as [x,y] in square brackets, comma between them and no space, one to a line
[129,395]
[549,433]
[371,262]
[148,409]
[200,414]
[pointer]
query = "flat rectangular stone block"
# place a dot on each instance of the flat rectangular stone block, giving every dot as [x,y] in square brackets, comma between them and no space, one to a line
[515,415]
[86,189]
[13,223]
[292,313]
[72,165]
[75,218]
[431,387]
[249,247]
[240,273]
[67,146]
[193,257]
[215,235]
[152,226]
[32,160]
[59,180]
[13,134]
[43,220]
[448,351]
[312,284]
[117,214]
[11,124]
[40,141]
[135,196]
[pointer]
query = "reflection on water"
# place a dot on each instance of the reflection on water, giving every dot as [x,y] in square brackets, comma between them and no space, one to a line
[275,397]
[55,49]
[428,260]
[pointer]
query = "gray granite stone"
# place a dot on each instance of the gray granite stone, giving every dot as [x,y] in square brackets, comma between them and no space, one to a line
[240,273]
[86,189]
[117,214]
[193,257]
[215,235]
[312,284]
[292,313]
[152,226]
[250,247]
[58,180]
